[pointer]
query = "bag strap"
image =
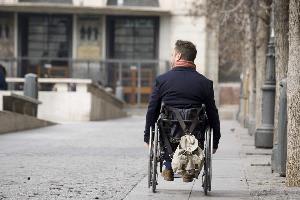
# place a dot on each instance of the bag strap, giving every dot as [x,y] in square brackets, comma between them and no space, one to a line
[167,143]
[195,120]
[180,120]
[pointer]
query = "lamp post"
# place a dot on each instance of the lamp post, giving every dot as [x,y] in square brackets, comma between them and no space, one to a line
[264,134]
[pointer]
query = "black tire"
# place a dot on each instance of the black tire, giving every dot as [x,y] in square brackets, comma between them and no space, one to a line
[209,159]
[207,162]
[155,159]
[150,160]
[205,188]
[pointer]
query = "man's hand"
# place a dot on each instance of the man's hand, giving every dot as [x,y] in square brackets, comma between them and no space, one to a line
[146,145]
[214,151]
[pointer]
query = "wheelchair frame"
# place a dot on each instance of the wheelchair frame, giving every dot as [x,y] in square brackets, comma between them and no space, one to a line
[155,157]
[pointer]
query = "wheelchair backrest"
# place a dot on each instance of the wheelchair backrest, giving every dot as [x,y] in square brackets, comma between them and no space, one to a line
[187,114]
[182,121]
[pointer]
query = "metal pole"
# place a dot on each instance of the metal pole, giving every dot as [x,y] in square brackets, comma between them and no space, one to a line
[264,134]
[88,70]
[10,74]
[139,85]
[120,73]
[71,63]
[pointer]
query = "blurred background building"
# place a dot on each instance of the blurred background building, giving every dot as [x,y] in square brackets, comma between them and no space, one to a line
[109,41]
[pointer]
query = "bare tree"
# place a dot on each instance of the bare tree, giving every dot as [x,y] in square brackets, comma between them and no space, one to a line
[250,39]
[262,37]
[281,28]
[293,96]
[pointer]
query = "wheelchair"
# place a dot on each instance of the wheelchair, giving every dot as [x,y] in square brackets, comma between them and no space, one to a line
[158,144]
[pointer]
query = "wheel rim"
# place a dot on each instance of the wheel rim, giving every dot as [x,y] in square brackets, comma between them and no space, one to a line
[150,159]
[207,164]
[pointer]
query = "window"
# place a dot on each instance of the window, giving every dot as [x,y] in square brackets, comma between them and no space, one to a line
[48,36]
[46,42]
[132,37]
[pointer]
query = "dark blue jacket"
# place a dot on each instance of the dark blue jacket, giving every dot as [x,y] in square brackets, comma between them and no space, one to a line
[183,87]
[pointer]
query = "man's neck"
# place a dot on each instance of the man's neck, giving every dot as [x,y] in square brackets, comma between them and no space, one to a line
[184,63]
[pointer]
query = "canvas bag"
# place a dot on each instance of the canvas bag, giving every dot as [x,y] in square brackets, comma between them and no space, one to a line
[188,157]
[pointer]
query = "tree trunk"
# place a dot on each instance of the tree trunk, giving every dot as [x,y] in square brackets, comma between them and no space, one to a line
[262,37]
[212,46]
[250,39]
[281,28]
[293,96]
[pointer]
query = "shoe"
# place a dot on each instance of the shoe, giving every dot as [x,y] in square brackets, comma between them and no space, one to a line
[187,178]
[168,174]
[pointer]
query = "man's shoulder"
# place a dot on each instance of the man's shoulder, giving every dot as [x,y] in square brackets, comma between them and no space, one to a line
[164,76]
[202,77]
[171,74]
[199,76]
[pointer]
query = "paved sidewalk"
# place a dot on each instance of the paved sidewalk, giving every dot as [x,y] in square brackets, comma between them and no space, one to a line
[228,182]
[88,160]
[107,160]
[263,184]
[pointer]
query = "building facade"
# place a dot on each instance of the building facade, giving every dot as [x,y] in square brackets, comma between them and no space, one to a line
[113,42]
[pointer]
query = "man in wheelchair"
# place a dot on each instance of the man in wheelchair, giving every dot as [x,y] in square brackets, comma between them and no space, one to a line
[188,97]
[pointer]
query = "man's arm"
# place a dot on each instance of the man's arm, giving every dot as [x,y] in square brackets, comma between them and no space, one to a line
[213,115]
[153,111]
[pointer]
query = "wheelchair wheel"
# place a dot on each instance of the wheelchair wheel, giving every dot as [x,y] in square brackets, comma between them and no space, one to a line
[207,162]
[153,158]
[150,161]
[156,159]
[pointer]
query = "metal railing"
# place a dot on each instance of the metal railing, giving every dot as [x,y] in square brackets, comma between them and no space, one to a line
[136,76]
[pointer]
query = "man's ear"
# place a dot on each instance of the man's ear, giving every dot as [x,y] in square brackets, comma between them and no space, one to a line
[178,56]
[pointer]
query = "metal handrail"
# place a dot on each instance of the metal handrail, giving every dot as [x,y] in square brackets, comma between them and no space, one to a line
[106,72]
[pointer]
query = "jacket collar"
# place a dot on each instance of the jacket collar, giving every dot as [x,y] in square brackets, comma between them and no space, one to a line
[182,68]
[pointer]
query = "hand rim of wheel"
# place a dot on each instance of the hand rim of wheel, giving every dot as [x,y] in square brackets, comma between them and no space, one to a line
[155,156]
[150,159]
[208,162]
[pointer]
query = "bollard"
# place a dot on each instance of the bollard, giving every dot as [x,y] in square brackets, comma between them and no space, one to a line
[282,130]
[119,91]
[31,86]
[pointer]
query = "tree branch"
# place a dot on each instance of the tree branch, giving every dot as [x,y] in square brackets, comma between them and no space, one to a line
[233,9]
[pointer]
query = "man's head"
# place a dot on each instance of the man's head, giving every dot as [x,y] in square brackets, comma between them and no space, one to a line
[184,50]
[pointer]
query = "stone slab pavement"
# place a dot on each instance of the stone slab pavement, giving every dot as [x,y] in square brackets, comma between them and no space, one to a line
[107,160]
[229,181]
[88,160]
[263,184]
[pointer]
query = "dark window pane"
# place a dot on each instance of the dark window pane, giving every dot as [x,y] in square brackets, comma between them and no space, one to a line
[133,38]
[49,35]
